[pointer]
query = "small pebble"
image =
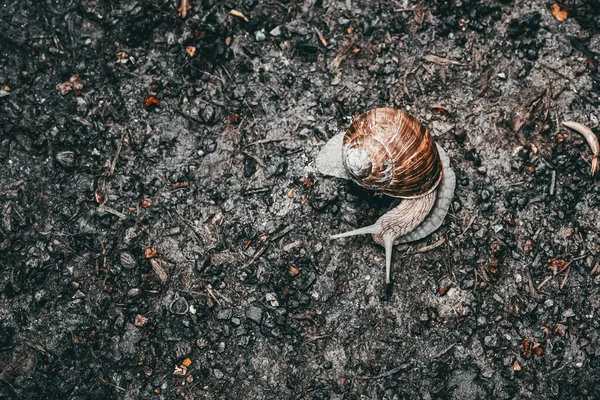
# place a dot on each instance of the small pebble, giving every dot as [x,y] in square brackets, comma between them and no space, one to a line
[276,31]
[259,36]
[254,314]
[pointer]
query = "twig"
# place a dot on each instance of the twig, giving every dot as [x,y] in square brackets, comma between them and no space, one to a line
[441,61]
[532,290]
[255,256]
[255,158]
[312,338]
[566,277]
[112,211]
[409,9]
[114,161]
[321,37]
[263,141]
[567,267]
[469,226]
[387,373]
[276,237]
[189,225]
[210,292]
[427,248]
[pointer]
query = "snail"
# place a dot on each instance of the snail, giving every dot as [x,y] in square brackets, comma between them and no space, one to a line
[389,151]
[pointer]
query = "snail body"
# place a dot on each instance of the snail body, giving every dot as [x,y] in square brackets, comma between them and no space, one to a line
[391,152]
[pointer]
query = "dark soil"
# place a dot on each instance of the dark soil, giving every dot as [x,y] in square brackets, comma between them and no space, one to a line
[196,137]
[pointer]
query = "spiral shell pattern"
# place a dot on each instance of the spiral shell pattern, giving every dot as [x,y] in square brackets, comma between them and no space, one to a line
[389,151]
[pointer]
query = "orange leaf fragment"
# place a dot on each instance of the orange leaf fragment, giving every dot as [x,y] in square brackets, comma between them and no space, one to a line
[140,320]
[187,362]
[151,101]
[558,12]
[294,271]
[151,252]
[190,50]
[147,202]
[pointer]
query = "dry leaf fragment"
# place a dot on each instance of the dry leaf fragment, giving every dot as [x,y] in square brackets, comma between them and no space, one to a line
[159,270]
[441,61]
[151,101]
[122,57]
[293,270]
[516,366]
[74,83]
[558,12]
[560,329]
[186,363]
[140,320]
[190,50]
[236,13]
[180,370]
[183,9]
[526,347]
[147,202]
[151,252]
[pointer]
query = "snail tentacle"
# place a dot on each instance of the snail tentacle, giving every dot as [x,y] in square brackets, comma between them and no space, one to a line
[395,223]
[388,243]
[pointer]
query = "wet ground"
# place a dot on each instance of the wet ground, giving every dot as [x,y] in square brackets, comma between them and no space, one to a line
[164,233]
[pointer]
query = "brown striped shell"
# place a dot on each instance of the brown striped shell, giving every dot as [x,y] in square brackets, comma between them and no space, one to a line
[389,151]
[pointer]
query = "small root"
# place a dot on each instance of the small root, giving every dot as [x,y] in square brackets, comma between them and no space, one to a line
[590,138]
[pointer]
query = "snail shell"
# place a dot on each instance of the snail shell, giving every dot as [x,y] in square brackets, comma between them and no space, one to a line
[389,151]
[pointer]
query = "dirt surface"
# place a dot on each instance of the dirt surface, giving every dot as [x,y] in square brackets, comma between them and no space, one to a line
[164,233]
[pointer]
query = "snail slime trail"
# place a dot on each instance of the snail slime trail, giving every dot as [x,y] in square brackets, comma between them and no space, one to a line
[391,152]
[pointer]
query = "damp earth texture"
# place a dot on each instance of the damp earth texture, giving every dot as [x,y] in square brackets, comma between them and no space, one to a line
[164,233]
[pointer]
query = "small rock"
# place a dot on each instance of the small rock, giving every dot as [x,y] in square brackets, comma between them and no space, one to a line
[485,195]
[276,31]
[133,293]
[254,314]
[224,314]
[236,321]
[127,260]
[272,299]
[218,374]
[549,303]
[467,284]
[502,75]
[78,295]
[490,341]
[66,159]
[568,313]
[259,36]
